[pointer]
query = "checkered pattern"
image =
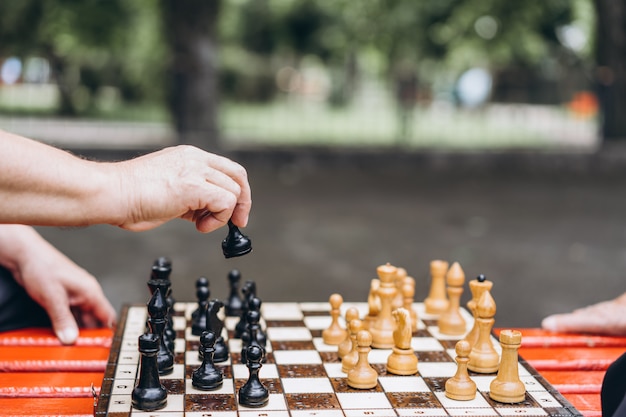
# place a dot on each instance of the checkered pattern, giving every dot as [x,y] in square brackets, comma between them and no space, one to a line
[303,374]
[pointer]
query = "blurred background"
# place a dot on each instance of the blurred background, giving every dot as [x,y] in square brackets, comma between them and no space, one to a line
[485,132]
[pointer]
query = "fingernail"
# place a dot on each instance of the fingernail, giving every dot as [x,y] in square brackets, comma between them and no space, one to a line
[68,335]
[550,323]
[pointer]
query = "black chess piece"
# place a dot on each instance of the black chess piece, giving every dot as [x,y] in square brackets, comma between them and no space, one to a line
[481,278]
[235,243]
[234,303]
[248,291]
[160,278]
[198,317]
[251,336]
[149,394]
[157,312]
[207,377]
[253,393]
[254,304]
[214,324]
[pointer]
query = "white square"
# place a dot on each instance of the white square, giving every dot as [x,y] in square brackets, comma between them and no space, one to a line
[316,413]
[363,400]
[122,387]
[422,412]
[231,322]
[268,370]
[281,311]
[483,382]
[179,323]
[317,322]
[333,370]
[317,307]
[521,411]
[226,388]
[531,384]
[434,330]
[177,373]
[403,384]
[437,369]
[189,336]
[179,345]
[293,357]
[211,414]
[383,412]
[478,402]
[126,371]
[191,358]
[276,402]
[128,358]
[472,412]
[545,399]
[320,346]
[288,333]
[379,355]
[307,385]
[174,403]
[119,403]
[426,344]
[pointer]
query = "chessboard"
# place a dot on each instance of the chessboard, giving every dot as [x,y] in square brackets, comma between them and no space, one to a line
[303,374]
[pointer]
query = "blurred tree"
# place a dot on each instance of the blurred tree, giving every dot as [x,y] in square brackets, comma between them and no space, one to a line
[190,32]
[611,66]
[75,37]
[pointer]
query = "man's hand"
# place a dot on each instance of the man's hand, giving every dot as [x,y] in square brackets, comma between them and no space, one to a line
[607,317]
[70,295]
[183,182]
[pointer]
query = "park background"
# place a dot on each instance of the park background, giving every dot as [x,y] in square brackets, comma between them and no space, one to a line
[485,132]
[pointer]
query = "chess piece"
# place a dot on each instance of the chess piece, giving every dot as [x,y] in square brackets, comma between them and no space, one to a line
[346,345]
[253,393]
[373,303]
[477,287]
[436,302]
[402,360]
[248,291]
[157,313]
[350,359]
[451,322]
[207,377]
[483,357]
[408,294]
[235,243]
[382,328]
[507,387]
[363,376]
[215,325]
[149,394]
[398,300]
[234,303]
[160,278]
[198,316]
[252,335]
[334,334]
[460,387]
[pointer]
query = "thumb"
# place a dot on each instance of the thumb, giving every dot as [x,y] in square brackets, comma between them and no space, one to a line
[63,322]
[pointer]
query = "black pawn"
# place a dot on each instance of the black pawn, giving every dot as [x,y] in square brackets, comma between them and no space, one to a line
[235,243]
[234,303]
[149,394]
[198,317]
[253,393]
[214,324]
[157,312]
[207,377]
[249,292]
[251,337]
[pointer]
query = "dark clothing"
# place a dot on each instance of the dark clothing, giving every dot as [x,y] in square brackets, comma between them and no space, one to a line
[17,309]
[614,389]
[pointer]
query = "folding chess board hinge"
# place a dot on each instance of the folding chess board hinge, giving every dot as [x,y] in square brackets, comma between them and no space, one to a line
[94,394]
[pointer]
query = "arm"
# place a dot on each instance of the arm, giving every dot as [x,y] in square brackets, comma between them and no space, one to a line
[67,292]
[42,185]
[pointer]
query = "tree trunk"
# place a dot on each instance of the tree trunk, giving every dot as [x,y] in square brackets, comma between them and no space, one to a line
[192,96]
[611,67]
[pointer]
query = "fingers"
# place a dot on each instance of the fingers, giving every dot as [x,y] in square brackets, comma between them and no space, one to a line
[63,322]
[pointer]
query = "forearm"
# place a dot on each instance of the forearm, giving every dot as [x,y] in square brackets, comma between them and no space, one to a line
[42,185]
